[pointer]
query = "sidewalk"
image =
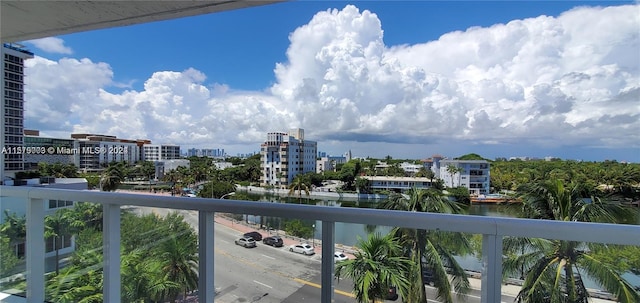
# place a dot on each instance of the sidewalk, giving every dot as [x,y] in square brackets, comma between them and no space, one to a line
[287,240]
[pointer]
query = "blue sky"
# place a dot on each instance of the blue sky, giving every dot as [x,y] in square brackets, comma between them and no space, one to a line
[255,39]
[215,76]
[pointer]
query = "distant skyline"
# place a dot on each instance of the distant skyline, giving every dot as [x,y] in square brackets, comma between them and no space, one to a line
[405,79]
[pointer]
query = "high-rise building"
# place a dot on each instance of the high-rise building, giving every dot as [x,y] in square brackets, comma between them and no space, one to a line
[283,156]
[12,109]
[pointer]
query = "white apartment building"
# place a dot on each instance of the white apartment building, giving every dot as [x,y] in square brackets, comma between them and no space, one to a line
[410,168]
[12,109]
[324,164]
[472,174]
[161,152]
[97,151]
[283,156]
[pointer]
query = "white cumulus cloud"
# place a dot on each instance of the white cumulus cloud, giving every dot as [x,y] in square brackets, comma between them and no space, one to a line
[51,45]
[569,80]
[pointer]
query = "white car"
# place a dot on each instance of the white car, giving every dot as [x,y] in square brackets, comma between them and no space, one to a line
[302,248]
[339,257]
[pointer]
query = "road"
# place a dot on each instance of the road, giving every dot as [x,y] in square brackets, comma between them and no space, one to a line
[267,274]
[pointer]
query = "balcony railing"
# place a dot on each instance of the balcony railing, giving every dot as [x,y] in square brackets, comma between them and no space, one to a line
[493,229]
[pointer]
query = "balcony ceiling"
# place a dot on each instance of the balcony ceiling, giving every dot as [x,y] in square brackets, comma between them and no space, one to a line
[26,20]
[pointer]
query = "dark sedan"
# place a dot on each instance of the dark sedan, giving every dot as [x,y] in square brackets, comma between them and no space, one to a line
[274,241]
[254,234]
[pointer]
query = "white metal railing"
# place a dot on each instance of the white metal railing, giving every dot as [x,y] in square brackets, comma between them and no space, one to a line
[493,229]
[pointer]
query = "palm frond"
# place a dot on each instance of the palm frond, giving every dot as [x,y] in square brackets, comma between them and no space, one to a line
[610,279]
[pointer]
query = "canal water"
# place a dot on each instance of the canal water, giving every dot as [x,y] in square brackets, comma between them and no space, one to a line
[348,233]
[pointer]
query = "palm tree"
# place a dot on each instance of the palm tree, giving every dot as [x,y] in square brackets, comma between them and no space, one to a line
[113,176]
[378,265]
[431,250]
[299,184]
[453,170]
[88,213]
[179,263]
[60,224]
[14,227]
[553,269]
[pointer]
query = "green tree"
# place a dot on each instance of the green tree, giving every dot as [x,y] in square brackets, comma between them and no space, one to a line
[216,189]
[179,262]
[454,170]
[431,250]
[348,174]
[299,185]
[8,258]
[14,227]
[113,175]
[61,224]
[13,231]
[553,269]
[297,228]
[363,186]
[460,194]
[378,265]
[57,170]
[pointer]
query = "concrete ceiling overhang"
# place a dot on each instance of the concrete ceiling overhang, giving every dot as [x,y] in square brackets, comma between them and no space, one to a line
[26,20]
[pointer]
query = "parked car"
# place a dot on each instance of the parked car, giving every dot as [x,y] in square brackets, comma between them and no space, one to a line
[392,294]
[246,242]
[274,241]
[254,234]
[339,257]
[302,248]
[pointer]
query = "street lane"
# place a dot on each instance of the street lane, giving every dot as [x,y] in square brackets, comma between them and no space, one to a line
[270,274]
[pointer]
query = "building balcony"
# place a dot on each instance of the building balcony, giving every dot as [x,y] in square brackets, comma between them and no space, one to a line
[492,229]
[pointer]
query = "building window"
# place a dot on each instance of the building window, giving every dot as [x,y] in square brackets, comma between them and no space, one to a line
[61,242]
[59,203]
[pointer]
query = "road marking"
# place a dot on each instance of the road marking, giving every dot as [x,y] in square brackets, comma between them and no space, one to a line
[223,241]
[340,292]
[270,257]
[242,260]
[265,285]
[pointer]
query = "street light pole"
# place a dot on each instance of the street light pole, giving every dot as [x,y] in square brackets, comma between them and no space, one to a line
[313,236]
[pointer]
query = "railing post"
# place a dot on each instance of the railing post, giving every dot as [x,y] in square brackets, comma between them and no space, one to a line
[491,269]
[35,250]
[328,246]
[111,291]
[206,287]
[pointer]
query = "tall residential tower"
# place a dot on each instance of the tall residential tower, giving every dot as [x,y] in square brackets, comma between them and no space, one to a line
[12,109]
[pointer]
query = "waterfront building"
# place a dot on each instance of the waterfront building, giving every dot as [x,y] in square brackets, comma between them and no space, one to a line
[397,184]
[12,108]
[283,156]
[472,174]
